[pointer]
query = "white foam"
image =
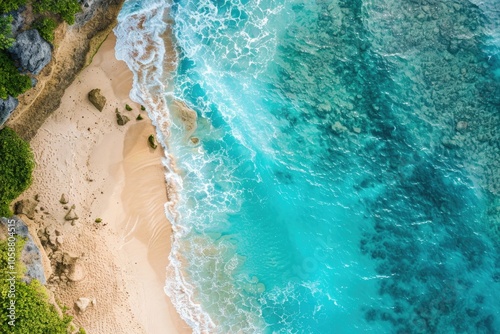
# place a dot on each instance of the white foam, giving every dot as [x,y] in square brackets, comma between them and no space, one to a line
[140,44]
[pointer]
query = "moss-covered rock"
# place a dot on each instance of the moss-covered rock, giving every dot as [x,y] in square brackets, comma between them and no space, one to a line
[97,99]
[152,142]
[121,119]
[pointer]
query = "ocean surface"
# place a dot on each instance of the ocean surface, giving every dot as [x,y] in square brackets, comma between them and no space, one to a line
[342,174]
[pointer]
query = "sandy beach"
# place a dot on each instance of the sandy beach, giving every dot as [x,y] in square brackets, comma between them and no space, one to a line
[109,172]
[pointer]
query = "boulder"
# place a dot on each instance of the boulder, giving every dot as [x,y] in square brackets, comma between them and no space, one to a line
[6,108]
[25,207]
[97,99]
[31,51]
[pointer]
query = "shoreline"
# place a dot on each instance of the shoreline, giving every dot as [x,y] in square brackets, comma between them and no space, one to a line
[109,172]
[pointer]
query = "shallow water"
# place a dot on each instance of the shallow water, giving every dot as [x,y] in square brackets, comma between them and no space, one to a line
[346,174]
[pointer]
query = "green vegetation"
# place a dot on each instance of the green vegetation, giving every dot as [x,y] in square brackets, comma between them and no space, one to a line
[6,39]
[143,108]
[129,108]
[33,312]
[16,167]
[82,331]
[64,8]
[11,81]
[98,220]
[9,5]
[139,117]
[46,27]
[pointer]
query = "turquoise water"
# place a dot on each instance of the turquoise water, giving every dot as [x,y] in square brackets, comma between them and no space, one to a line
[346,173]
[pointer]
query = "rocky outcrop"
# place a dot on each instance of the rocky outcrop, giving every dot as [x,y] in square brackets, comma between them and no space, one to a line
[30,255]
[18,20]
[86,35]
[6,108]
[97,99]
[26,207]
[152,142]
[31,51]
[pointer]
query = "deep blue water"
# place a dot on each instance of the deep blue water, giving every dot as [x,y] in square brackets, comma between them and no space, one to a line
[346,177]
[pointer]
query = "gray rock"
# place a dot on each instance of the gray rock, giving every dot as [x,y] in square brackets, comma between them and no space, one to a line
[97,99]
[6,108]
[88,10]
[30,255]
[31,51]
[17,20]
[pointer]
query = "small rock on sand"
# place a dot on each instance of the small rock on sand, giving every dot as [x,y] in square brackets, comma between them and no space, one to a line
[71,215]
[97,99]
[64,199]
[82,304]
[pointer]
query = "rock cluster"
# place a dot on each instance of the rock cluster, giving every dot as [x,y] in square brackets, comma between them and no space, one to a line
[66,267]
[121,119]
[31,51]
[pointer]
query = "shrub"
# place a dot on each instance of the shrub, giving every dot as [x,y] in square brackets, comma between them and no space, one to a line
[46,27]
[129,108]
[64,8]
[11,81]
[16,167]
[34,314]
[6,39]
[9,5]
